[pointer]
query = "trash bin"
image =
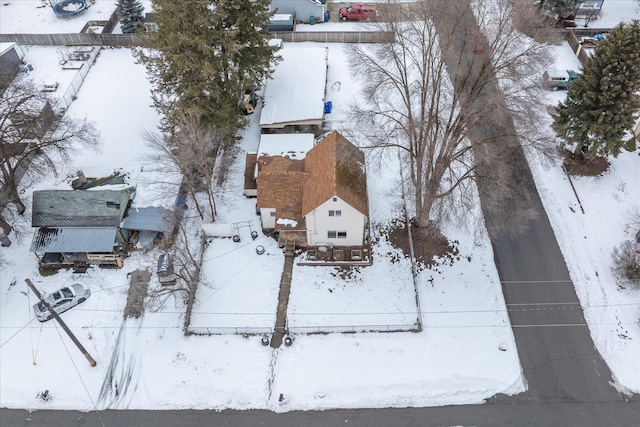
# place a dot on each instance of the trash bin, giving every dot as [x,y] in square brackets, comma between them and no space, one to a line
[327,16]
[327,107]
[312,20]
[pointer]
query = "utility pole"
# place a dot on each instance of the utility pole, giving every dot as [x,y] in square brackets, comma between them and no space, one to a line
[64,325]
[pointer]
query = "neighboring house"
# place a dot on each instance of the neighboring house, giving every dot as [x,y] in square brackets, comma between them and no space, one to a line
[319,200]
[79,227]
[296,105]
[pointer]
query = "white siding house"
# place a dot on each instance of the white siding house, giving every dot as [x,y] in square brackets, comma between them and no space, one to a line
[335,223]
[317,200]
[268,217]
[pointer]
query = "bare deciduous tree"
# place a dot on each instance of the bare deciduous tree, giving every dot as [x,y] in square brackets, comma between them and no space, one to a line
[34,142]
[187,261]
[420,105]
[191,153]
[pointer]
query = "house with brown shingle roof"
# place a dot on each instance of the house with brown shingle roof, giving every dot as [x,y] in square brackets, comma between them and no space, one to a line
[291,145]
[334,199]
[280,184]
[317,200]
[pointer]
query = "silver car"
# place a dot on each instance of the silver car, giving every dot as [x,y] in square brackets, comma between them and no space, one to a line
[61,300]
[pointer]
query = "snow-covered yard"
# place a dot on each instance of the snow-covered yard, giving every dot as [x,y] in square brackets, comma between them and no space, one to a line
[456,359]
[465,353]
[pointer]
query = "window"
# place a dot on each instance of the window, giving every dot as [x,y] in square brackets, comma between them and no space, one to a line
[335,213]
[342,234]
[332,213]
[331,234]
[272,214]
[335,199]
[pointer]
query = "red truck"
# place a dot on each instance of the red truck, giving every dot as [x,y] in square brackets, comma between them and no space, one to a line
[357,12]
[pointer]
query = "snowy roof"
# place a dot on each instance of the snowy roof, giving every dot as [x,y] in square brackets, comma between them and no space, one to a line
[79,208]
[281,17]
[149,219]
[295,93]
[5,46]
[75,239]
[293,145]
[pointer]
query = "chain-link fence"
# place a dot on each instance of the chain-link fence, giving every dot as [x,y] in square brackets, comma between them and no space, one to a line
[89,57]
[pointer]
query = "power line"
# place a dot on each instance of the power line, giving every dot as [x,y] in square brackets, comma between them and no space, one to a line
[79,376]
[383,327]
[20,328]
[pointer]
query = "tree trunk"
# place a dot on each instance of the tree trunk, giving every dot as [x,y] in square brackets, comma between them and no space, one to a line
[580,151]
[423,210]
[14,197]
[6,228]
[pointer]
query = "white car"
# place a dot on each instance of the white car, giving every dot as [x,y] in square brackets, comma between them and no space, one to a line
[61,301]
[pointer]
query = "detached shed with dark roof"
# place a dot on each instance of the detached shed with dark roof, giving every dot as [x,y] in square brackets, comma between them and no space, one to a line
[79,226]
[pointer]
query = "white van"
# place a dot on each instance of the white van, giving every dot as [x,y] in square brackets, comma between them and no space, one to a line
[559,79]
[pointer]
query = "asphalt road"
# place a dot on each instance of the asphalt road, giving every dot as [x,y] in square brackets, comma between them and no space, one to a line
[557,354]
[511,414]
[556,351]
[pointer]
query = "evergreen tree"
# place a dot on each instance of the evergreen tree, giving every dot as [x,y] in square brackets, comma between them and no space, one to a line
[131,14]
[603,104]
[203,56]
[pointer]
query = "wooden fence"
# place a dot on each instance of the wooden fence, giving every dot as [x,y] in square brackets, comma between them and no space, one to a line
[74,39]
[129,40]
[577,48]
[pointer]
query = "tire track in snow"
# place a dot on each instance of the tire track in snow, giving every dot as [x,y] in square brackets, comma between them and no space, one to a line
[123,374]
[272,373]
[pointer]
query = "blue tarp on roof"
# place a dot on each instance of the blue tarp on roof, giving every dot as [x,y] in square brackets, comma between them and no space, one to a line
[80,239]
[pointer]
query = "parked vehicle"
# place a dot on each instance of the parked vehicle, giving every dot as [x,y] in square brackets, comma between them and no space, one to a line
[166,272]
[559,79]
[249,101]
[61,301]
[358,12]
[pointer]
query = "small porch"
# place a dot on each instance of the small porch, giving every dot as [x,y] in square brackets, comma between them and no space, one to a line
[336,255]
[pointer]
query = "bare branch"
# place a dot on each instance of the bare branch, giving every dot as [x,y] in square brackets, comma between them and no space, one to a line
[34,142]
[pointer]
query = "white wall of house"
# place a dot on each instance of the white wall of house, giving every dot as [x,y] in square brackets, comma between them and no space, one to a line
[335,215]
[268,217]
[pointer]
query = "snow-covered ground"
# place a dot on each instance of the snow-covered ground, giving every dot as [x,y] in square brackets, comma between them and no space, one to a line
[37,17]
[466,352]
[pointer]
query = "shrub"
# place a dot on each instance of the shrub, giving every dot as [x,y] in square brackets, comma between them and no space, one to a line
[626,259]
